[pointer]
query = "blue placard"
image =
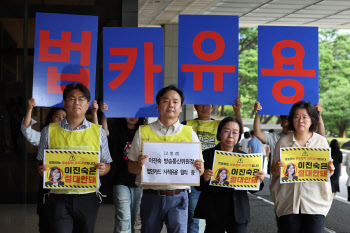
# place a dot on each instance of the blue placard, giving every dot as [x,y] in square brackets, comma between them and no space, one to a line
[208,59]
[132,71]
[65,51]
[287,67]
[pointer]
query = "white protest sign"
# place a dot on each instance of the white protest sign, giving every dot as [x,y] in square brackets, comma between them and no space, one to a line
[171,163]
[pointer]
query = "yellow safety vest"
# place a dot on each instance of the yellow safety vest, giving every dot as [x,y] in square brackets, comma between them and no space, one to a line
[147,134]
[206,131]
[88,139]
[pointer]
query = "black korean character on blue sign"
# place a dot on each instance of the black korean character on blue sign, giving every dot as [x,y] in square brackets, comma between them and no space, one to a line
[92,171]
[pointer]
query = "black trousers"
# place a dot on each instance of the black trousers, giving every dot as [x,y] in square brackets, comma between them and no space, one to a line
[43,209]
[73,213]
[348,193]
[222,227]
[299,223]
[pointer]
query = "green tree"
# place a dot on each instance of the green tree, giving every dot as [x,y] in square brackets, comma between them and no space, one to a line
[248,73]
[336,113]
[334,77]
[248,70]
[248,80]
[334,74]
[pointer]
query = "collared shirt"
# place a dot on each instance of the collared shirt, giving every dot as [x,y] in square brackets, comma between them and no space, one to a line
[30,134]
[161,130]
[301,197]
[105,156]
[271,140]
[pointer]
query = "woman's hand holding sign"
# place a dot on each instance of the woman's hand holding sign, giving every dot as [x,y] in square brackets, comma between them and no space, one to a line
[208,174]
[276,168]
[331,167]
[260,175]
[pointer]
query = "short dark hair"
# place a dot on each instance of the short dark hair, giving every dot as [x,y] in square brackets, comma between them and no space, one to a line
[124,124]
[170,88]
[226,120]
[271,130]
[289,166]
[311,110]
[79,86]
[252,132]
[52,172]
[246,134]
[218,174]
[50,115]
[283,116]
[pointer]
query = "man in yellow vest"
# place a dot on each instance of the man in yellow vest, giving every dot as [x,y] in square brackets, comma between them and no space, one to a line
[75,210]
[206,129]
[163,203]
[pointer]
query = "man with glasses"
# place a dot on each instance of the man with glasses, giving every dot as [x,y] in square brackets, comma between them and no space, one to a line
[75,210]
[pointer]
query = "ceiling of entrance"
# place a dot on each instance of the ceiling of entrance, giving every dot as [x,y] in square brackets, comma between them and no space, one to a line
[322,13]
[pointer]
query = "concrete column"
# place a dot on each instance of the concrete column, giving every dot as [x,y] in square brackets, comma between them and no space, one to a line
[129,13]
[171,36]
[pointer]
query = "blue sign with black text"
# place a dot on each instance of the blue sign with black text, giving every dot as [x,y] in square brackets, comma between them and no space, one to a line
[64,52]
[287,67]
[208,59]
[132,70]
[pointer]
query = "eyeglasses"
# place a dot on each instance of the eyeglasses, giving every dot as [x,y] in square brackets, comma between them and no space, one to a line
[72,99]
[298,118]
[228,132]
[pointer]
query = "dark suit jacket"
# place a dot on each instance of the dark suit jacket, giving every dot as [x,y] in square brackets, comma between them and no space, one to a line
[221,204]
